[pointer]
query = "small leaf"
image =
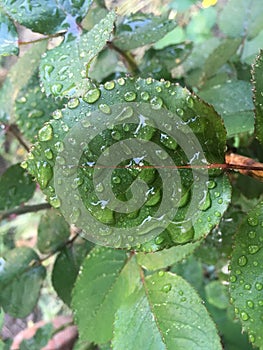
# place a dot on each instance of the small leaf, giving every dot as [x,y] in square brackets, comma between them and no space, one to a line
[233,101]
[165,258]
[106,279]
[16,187]
[168,314]
[18,77]
[8,36]
[241,18]
[33,108]
[53,231]
[216,294]
[66,269]
[63,70]
[140,29]
[246,282]
[222,53]
[49,16]
[21,277]
[258,95]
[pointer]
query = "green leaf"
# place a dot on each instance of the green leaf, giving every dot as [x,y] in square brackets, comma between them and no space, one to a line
[258,96]
[216,294]
[222,53]
[39,340]
[63,70]
[53,231]
[106,279]
[201,121]
[47,16]
[165,258]
[16,187]
[21,277]
[66,269]
[233,101]
[241,18]
[251,48]
[167,314]
[18,77]
[140,29]
[8,36]
[246,282]
[33,108]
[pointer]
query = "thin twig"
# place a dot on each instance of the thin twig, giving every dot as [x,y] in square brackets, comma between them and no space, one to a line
[42,39]
[24,210]
[128,59]
[13,129]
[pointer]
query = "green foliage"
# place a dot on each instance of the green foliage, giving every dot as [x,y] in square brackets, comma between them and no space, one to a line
[16,187]
[144,238]
[21,278]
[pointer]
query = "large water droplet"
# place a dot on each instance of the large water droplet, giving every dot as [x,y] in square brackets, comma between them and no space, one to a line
[130,96]
[109,85]
[55,202]
[48,153]
[57,114]
[205,202]
[145,96]
[56,89]
[45,133]
[105,108]
[244,316]
[92,96]
[167,287]
[242,260]
[259,286]
[44,174]
[253,249]
[252,221]
[156,103]
[73,103]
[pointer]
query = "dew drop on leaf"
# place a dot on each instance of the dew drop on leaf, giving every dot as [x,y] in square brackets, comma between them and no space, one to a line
[130,96]
[73,103]
[145,96]
[45,174]
[253,249]
[104,108]
[55,202]
[167,287]
[244,316]
[45,133]
[252,221]
[109,85]
[91,96]
[242,260]
[156,103]
[57,114]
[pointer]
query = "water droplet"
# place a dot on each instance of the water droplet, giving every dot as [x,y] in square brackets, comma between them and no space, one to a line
[161,154]
[54,201]
[259,286]
[35,113]
[167,287]
[57,114]
[149,81]
[24,165]
[59,146]
[116,179]
[130,96]
[253,249]
[189,101]
[109,85]
[92,96]
[105,108]
[159,240]
[121,81]
[168,142]
[251,234]
[48,153]
[45,133]
[22,99]
[250,304]
[116,135]
[156,103]
[74,216]
[260,302]
[232,278]
[252,221]
[161,273]
[145,96]
[205,202]
[99,187]
[220,201]
[242,260]
[244,316]
[73,103]
[56,89]
[180,112]
[48,69]
[251,338]
[77,182]
[217,194]
[44,174]
[247,286]
[211,184]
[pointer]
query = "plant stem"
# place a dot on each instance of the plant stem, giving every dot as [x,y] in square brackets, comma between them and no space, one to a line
[13,129]
[128,58]
[24,210]
[42,39]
